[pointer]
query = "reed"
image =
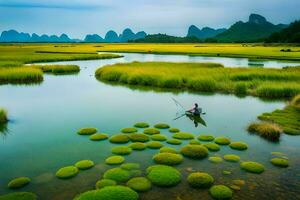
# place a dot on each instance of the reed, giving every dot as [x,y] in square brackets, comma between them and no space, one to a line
[20,75]
[267,130]
[58,69]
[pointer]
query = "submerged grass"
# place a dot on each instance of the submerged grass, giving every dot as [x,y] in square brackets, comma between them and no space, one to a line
[206,77]
[20,75]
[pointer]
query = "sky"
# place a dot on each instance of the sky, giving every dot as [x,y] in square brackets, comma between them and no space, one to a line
[80,17]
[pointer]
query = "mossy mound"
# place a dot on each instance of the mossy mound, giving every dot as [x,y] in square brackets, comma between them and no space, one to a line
[174,130]
[220,192]
[161,126]
[280,162]
[231,158]
[154,145]
[119,138]
[174,141]
[67,172]
[87,131]
[141,125]
[206,137]
[139,137]
[226,172]
[212,146]
[117,174]
[129,130]
[84,164]
[268,130]
[19,196]
[135,173]
[168,150]
[98,137]
[253,167]
[183,136]
[163,175]
[151,131]
[222,140]
[194,151]
[18,182]
[215,159]
[121,150]
[114,160]
[168,158]
[139,184]
[104,183]
[116,192]
[138,146]
[200,180]
[130,166]
[194,142]
[238,146]
[238,182]
[159,137]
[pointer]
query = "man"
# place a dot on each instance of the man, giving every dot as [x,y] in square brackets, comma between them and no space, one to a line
[196,110]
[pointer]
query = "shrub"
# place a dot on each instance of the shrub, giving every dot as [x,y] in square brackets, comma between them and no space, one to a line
[130,166]
[222,140]
[117,174]
[154,145]
[98,137]
[129,130]
[194,151]
[67,172]
[163,175]
[141,125]
[200,180]
[159,137]
[280,162]
[138,146]
[3,116]
[104,183]
[183,136]
[161,126]
[174,141]
[168,158]
[220,192]
[206,137]
[116,192]
[151,131]
[267,130]
[119,138]
[215,159]
[84,164]
[168,150]
[121,150]
[238,146]
[212,146]
[87,131]
[231,158]
[19,196]
[174,130]
[253,167]
[18,182]
[139,184]
[138,137]
[114,160]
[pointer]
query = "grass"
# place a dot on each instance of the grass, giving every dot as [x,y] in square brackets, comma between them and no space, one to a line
[20,75]
[266,130]
[58,69]
[205,77]
[3,116]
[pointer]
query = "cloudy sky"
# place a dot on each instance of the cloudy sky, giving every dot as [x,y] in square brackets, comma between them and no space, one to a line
[80,17]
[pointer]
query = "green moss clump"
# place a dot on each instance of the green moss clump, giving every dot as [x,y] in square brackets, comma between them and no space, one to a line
[19,196]
[183,136]
[159,137]
[231,158]
[266,130]
[194,142]
[139,184]
[238,146]
[280,162]
[222,141]
[253,167]
[139,137]
[116,192]
[194,151]
[117,174]
[174,130]
[163,175]
[206,137]
[212,146]
[129,130]
[119,138]
[104,183]
[138,146]
[151,131]
[200,180]
[141,125]
[215,159]
[168,158]
[18,182]
[130,166]
[121,150]
[154,145]
[220,192]
[114,160]
[174,141]
[67,172]
[87,131]
[161,126]
[168,150]
[98,137]
[84,164]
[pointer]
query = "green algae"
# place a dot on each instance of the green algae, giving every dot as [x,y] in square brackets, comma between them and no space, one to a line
[139,137]
[154,145]
[253,167]
[141,125]
[104,183]
[163,175]
[215,159]
[161,126]
[117,174]
[194,151]
[174,141]
[206,137]
[222,140]
[231,158]
[238,146]
[98,136]
[280,162]
[129,130]
[183,136]
[151,131]
[168,150]
[87,131]
[220,192]
[159,137]
[212,146]
[138,146]
[119,138]
[174,130]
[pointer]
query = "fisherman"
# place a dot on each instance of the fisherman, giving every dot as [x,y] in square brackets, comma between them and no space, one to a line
[196,110]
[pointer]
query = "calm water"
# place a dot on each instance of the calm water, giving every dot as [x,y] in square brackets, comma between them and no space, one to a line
[42,137]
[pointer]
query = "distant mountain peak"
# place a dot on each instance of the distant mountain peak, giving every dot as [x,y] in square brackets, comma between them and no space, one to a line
[204,33]
[257,19]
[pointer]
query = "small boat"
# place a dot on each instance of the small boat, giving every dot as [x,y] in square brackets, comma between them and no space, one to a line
[196,118]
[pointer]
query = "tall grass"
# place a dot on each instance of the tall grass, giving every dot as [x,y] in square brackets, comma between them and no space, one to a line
[58,69]
[3,116]
[206,77]
[20,75]
[267,130]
